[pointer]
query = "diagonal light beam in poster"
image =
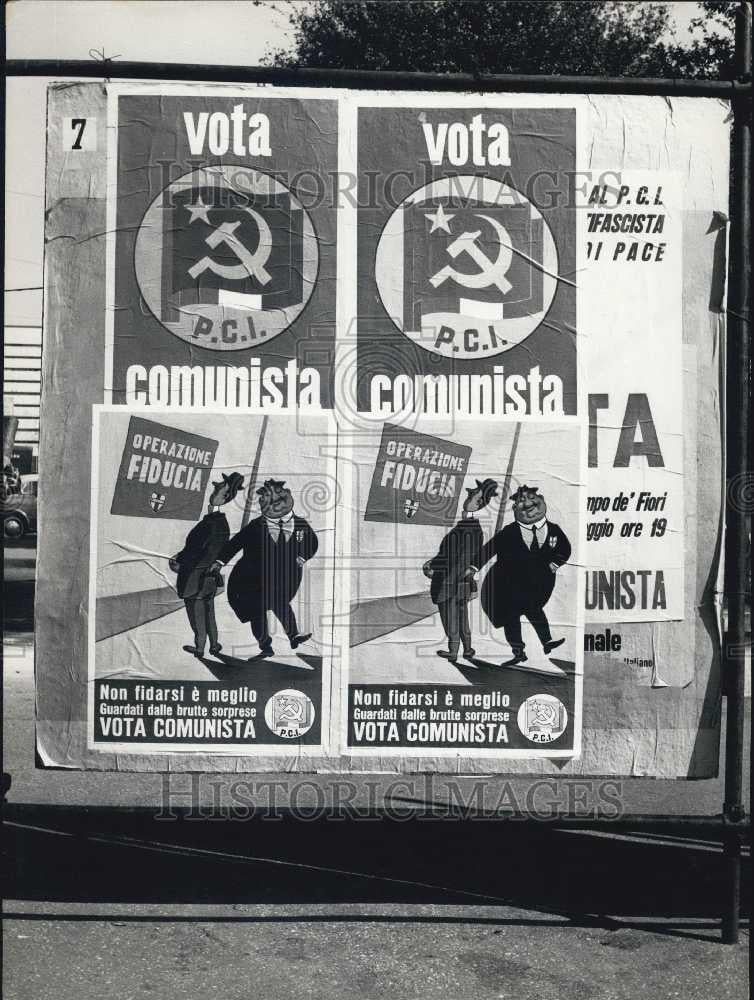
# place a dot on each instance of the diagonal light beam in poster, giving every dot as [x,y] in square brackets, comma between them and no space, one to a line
[383,615]
[122,612]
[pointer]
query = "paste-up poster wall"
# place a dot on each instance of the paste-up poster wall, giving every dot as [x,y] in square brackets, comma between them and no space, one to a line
[373,428]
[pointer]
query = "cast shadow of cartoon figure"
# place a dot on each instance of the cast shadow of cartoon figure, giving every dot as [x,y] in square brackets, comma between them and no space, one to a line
[267,577]
[198,579]
[452,570]
[529,553]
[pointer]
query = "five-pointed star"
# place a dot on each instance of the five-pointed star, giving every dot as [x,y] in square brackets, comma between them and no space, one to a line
[198,211]
[439,220]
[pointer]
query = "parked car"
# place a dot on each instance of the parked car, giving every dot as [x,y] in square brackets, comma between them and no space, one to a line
[19,510]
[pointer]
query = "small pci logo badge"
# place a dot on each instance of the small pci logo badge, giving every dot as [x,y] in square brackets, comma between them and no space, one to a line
[157,502]
[226,257]
[542,718]
[410,507]
[289,714]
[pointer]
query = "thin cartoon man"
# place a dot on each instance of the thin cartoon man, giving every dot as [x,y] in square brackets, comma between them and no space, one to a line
[276,545]
[195,565]
[452,570]
[529,553]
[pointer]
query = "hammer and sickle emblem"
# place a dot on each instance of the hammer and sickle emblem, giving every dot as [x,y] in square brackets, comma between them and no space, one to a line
[544,713]
[251,264]
[291,710]
[490,272]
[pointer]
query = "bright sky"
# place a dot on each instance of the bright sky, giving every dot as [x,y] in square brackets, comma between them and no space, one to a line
[682,14]
[234,32]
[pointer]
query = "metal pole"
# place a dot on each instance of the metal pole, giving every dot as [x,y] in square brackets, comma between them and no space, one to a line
[508,478]
[254,475]
[121,69]
[738,401]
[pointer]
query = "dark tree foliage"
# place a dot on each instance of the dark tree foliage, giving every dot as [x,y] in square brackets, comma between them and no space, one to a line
[501,36]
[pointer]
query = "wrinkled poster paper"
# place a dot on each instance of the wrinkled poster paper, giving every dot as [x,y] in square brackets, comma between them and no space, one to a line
[465,603]
[395,443]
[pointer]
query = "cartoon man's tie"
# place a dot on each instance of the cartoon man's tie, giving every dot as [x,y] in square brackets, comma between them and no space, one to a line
[281,533]
[534,542]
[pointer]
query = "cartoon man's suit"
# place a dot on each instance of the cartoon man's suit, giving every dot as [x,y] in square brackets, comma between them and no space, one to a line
[529,552]
[198,581]
[275,547]
[452,570]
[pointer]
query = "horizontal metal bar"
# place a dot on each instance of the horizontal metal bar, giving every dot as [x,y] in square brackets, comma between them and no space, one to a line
[376,79]
[637,821]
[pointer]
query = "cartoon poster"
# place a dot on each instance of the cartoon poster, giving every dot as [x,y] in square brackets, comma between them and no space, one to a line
[467,259]
[212,632]
[465,633]
[222,253]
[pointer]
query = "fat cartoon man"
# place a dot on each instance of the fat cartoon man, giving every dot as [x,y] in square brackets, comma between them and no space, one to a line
[275,545]
[529,553]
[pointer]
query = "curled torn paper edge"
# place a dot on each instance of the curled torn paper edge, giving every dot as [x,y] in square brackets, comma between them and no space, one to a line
[129,547]
[139,555]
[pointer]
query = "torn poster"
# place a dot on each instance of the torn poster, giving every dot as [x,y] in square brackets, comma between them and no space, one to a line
[635,505]
[211,635]
[466,634]
[221,237]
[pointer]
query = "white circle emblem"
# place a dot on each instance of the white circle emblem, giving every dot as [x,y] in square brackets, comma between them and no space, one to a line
[289,714]
[542,718]
[466,267]
[226,258]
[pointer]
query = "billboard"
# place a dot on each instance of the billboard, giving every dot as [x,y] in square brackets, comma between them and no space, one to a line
[417,477]
[456,358]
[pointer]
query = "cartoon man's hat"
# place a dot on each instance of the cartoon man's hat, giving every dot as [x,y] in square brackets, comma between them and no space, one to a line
[234,482]
[522,492]
[488,488]
[271,484]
